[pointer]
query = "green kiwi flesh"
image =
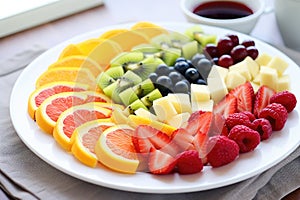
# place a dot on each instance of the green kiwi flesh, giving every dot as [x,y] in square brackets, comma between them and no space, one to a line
[190,49]
[104,80]
[128,96]
[115,72]
[149,98]
[134,106]
[205,39]
[126,58]
[136,79]
[143,88]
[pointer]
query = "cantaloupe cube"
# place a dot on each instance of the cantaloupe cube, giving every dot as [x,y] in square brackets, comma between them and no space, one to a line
[268,77]
[279,64]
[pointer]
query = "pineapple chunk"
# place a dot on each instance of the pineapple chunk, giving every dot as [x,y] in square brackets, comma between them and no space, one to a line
[179,120]
[200,92]
[145,113]
[253,67]
[279,64]
[164,109]
[202,105]
[234,79]
[268,77]
[283,83]
[263,59]
[181,102]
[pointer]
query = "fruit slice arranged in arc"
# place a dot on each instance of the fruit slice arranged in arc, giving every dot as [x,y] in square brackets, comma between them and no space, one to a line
[78,62]
[70,50]
[38,96]
[112,33]
[75,116]
[87,46]
[149,29]
[71,74]
[84,140]
[50,110]
[115,149]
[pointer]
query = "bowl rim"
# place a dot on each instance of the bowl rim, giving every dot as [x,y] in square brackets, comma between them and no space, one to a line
[193,16]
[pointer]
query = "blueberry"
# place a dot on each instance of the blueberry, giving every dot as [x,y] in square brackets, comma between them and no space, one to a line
[164,81]
[153,76]
[180,59]
[175,77]
[200,81]
[204,66]
[196,58]
[181,87]
[192,75]
[181,66]
[162,70]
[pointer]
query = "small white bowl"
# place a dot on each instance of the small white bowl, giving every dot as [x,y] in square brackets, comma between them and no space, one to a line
[244,24]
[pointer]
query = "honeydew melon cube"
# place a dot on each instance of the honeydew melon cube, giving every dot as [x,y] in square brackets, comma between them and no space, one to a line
[241,68]
[200,92]
[283,83]
[181,102]
[179,120]
[203,105]
[268,77]
[164,109]
[279,64]
[263,59]
[145,113]
[233,79]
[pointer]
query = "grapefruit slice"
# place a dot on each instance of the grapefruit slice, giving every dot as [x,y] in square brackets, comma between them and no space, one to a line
[38,96]
[115,149]
[78,62]
[75,116]
[49,111]
[71,74]
[84,140]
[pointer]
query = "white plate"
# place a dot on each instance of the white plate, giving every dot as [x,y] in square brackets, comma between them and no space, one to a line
[266,155]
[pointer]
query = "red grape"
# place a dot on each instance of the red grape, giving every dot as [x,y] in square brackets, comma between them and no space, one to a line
[225,45]
[248,43]
[239,53]
[252,52]
[212,50]
[234,39]
[225,61]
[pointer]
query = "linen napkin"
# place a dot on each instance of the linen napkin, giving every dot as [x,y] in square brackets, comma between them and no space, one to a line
[26,176]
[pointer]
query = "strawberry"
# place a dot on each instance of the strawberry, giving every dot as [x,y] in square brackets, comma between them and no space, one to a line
[200,142]
[182,139]
[222,151]
[262,99]
[245,96]
[226,106]
[188,162]
[285,98]
[146,137]
[199,121]
[160,162]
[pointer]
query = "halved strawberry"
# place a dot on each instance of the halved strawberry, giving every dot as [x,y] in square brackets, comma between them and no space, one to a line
[245,97]
[226,106]
[199,121]
[146,137]
[160,162]
[200,142]
[262,99]
[182,139]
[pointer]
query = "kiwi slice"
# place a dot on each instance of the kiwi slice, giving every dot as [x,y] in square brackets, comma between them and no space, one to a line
[104,80]
[170,55]
[149,98]
[193,29]
[144,67]
[146,48]
[115,72]
[190,49]
[128,96]
[144,88]
[178,39]
[133,77]
[204,39]
[109,90]
[134,106]
[116,88]
[126,58]
[161,41]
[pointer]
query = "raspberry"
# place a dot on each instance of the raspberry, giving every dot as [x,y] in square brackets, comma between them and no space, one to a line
[250,115]
[285,98]
[189,162]
[237,119]
[222,150]
[276,114]
[263,127]
[245,137]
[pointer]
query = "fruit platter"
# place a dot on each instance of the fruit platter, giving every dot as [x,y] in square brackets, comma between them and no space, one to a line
[186,107]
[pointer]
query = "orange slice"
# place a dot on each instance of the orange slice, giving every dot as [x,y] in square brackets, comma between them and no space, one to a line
[149,29]
[84,140]
[115,149]
[73,117]
[87,46]
[70,50]
[112,33]
[49,111]
[38,96]
[78,62]
[71,74]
